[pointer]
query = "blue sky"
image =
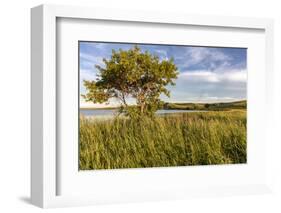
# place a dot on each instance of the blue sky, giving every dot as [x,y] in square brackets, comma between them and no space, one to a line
[207,74]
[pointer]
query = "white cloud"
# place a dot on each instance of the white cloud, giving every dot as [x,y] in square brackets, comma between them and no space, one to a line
[162,54]
[215,77]
[86,74]
[91,59]
[100,45]
[97,45]
[199,55]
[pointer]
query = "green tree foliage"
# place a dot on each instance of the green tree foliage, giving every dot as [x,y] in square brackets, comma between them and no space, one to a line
[134,74]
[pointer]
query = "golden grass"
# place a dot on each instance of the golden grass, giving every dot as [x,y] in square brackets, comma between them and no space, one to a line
[197,138]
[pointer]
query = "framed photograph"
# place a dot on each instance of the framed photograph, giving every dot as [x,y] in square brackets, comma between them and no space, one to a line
[129,106]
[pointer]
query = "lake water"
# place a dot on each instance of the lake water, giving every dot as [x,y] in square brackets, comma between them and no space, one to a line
[111,112]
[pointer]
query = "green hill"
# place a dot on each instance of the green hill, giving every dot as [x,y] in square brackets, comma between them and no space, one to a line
[207,106]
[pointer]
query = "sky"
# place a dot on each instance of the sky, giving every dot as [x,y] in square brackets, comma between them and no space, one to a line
[206,74]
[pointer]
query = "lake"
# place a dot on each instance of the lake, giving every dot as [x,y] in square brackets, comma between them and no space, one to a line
[99,113]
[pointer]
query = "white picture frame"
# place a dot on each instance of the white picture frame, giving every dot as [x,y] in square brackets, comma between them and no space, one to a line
[44,84]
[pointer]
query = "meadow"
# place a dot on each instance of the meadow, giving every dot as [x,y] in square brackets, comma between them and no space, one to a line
[180,139]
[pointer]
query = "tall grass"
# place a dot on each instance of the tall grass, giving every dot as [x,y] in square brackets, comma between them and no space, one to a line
[198,138]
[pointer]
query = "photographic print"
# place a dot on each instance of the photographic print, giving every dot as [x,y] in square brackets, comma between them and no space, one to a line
[152,105]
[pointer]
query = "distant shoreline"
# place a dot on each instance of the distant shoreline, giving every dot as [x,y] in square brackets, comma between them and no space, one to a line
[189,106]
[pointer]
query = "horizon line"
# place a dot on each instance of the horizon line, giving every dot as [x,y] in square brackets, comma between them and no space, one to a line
[109,107]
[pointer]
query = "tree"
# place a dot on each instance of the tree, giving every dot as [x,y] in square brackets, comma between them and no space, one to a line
[134,74]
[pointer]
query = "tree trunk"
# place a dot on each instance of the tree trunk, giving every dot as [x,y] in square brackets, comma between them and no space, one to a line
[142,107]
